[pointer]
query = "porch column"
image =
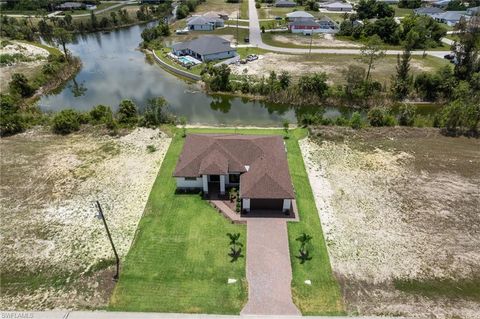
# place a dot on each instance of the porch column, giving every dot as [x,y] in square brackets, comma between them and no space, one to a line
[222,184]
[246,204]
[205,183]
[287,203]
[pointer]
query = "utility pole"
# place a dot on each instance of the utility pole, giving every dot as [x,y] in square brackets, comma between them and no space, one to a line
[102,217]
[238,17]
[311,39]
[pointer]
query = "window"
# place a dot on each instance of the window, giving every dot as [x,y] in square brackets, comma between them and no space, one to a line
[190,178]
[234,178]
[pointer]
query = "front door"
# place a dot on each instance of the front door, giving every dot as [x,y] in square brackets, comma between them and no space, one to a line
[215,178]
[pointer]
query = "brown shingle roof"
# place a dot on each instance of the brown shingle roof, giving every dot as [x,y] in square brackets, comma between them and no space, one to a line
[265,157]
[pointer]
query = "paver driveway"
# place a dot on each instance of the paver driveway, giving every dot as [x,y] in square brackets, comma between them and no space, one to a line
[269,272]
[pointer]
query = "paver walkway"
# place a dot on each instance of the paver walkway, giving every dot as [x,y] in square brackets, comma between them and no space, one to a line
[269,272]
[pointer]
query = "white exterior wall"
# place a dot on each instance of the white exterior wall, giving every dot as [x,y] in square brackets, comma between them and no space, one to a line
[307,30]
[222,184]
[182,183]
[287,203]
[246,204]
[205,183]
[218,56]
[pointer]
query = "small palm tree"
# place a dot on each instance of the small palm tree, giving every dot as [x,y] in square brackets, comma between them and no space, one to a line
[304,256]
[234,239]
[235,253]
[304,239]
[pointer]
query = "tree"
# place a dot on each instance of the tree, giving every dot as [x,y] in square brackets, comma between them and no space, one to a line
[68,19]
[285,128]
[370,53]
[113,15]
[406,115]
[410,4]
[156,113]
[466,52]
[127,112]
[93,20]
[62,37]
[313,84]
[401,83]
[183,122]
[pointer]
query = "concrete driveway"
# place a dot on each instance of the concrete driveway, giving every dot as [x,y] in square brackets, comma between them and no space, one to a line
[269,271]
[256,40]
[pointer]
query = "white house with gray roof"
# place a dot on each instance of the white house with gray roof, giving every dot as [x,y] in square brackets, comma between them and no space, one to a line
[204,23]
[450,18]
[205,48]
[339,6]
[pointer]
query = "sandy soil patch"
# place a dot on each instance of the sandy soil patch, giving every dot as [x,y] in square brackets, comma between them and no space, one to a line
[333,65]
[390,210]
[318,40]
[49,186]
[36,54]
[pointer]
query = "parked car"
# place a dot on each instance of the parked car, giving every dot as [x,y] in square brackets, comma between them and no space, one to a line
[243,61]
[278,18]
[449,56]
[252,57]
[246,39]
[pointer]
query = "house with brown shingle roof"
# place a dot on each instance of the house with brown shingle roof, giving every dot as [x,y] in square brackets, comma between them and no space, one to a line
[255,164]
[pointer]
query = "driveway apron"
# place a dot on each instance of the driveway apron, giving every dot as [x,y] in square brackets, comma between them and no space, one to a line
[269,271]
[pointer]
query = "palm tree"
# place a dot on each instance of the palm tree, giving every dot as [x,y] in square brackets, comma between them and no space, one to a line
[304,239]
[234,239]
[304,256]
[235,253]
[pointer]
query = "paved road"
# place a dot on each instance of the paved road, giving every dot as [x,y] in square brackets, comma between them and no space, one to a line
[256,40]
[76,15]
[269,271]
[147,315]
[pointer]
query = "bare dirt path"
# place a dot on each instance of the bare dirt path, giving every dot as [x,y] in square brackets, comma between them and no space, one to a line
[269,271]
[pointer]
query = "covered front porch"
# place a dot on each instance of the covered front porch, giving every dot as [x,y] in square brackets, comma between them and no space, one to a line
[216,184]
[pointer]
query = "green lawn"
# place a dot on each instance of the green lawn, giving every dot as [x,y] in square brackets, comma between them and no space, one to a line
[323,296]
[401,12]
[178,261]
[244,9]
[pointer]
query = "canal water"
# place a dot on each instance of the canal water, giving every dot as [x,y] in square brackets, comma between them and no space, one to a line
[114,69]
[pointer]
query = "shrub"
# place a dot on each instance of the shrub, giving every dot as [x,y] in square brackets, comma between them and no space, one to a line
[100,114]
[375,117]
[406,115]
[66,121]
[127,112]
[151,148]
[19,84]
[11,123]
[257,5]
[356,121]
[341,121]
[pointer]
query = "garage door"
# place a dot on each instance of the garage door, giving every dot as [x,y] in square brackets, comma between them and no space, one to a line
[266,204]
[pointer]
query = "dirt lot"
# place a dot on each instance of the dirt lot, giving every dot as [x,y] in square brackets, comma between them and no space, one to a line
[54,253]
[37,55]
[400,211]
[318,40]
[332,64]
